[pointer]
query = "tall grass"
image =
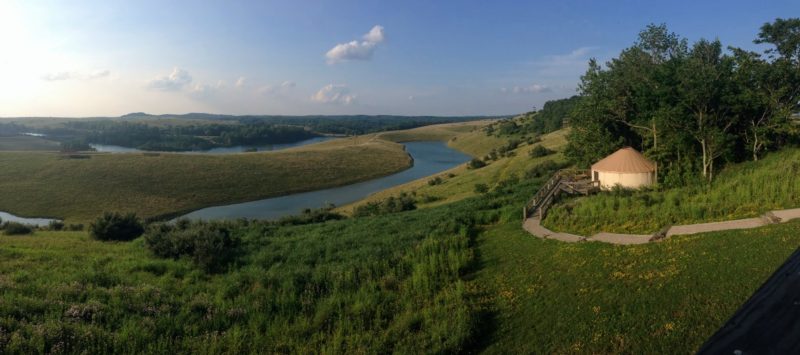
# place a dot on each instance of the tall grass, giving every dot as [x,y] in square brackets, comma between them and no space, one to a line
[744,190]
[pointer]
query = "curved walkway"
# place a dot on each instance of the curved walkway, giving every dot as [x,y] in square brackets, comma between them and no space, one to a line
[533,226]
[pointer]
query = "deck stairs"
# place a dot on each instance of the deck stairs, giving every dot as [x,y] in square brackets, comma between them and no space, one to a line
[571,181]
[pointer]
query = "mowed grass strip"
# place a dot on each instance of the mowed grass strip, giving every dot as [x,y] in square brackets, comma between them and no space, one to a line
[596,298]
[47,184]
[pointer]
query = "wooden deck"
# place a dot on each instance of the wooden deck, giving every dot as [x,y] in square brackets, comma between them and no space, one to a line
[571,181]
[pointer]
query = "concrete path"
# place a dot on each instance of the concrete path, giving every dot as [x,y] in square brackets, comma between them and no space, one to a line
[533,226]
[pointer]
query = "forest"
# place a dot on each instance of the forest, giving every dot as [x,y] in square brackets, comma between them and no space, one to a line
[194,137]
[694,108]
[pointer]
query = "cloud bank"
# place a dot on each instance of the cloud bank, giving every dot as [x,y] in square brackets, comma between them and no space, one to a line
[59,76]
[334,94]
[532,89]
[357,50]
[175,81]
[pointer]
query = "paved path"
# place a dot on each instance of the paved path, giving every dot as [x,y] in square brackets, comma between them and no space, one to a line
[533,226]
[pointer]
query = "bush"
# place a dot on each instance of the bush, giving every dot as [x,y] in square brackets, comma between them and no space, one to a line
[15,228]
[476,164]
[539,151]
[435,181]
[481,188]
[404,202]
[55,225]
[210,246]
[116,226]
[545,168]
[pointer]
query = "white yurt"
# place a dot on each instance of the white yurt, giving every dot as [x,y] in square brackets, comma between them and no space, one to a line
[627,168]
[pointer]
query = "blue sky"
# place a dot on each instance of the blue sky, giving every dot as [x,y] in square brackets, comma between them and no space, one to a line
[87,58]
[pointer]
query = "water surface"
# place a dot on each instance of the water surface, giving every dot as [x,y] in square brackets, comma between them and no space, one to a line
[106,148]
[39,222]
[429,158]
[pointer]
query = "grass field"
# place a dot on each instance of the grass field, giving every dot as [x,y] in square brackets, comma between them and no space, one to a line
[740,191]
[27,143]
[669,297]
[46,184]
[458,275]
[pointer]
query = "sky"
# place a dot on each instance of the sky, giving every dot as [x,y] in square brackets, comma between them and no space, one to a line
[109,58]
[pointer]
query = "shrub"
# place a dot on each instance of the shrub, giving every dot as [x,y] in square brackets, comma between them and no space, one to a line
[476,164]
[15,228]
[539,151]
[309,216]
[116,226]
[435,181]
[210,246]
[404,202]
[55,225]
[545,168]
[481,188]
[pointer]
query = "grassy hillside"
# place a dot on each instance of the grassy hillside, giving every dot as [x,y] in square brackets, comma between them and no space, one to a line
[421,281]
[740,191]
[458,277]
[47,184]
[373,285]
[459,183]
[27,143]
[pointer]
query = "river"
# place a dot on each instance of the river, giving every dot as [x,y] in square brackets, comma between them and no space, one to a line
[429,158]
[105,148]
[40,222]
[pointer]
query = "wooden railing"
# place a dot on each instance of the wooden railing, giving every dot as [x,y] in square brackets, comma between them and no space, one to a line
[544,198]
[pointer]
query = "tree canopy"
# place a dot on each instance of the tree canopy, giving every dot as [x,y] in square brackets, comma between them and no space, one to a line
[690,108]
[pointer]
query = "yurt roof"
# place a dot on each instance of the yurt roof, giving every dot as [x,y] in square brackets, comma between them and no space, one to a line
[625,160]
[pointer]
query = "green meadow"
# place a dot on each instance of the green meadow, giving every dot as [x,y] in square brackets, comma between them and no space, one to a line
[455,275]
[80,188]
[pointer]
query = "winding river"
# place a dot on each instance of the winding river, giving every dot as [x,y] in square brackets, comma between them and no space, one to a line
[105,148]
[429,158]
[39,222]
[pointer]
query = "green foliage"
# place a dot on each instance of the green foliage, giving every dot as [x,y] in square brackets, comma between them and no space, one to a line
[403,202]
[116,226]
[435,181]
[553,116]
[539,151]
[55,225]
[75,146]
[693,107]
[476,163]
[311,215]
[210,245]
[740,191]
[481,188]
[16,228]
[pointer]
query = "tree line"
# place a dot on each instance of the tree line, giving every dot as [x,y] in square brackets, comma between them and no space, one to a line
[690,108]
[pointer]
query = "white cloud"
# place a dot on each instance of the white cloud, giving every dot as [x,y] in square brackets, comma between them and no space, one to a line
[357,50]
[241,82]
[206,91]
[568,64]
[74,75]
[531,89]
[279,88]
[334,94]
[177,80]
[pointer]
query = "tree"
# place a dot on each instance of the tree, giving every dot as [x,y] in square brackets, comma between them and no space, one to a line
[705,84]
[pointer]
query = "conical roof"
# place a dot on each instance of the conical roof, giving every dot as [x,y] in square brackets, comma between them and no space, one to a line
[625,160]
